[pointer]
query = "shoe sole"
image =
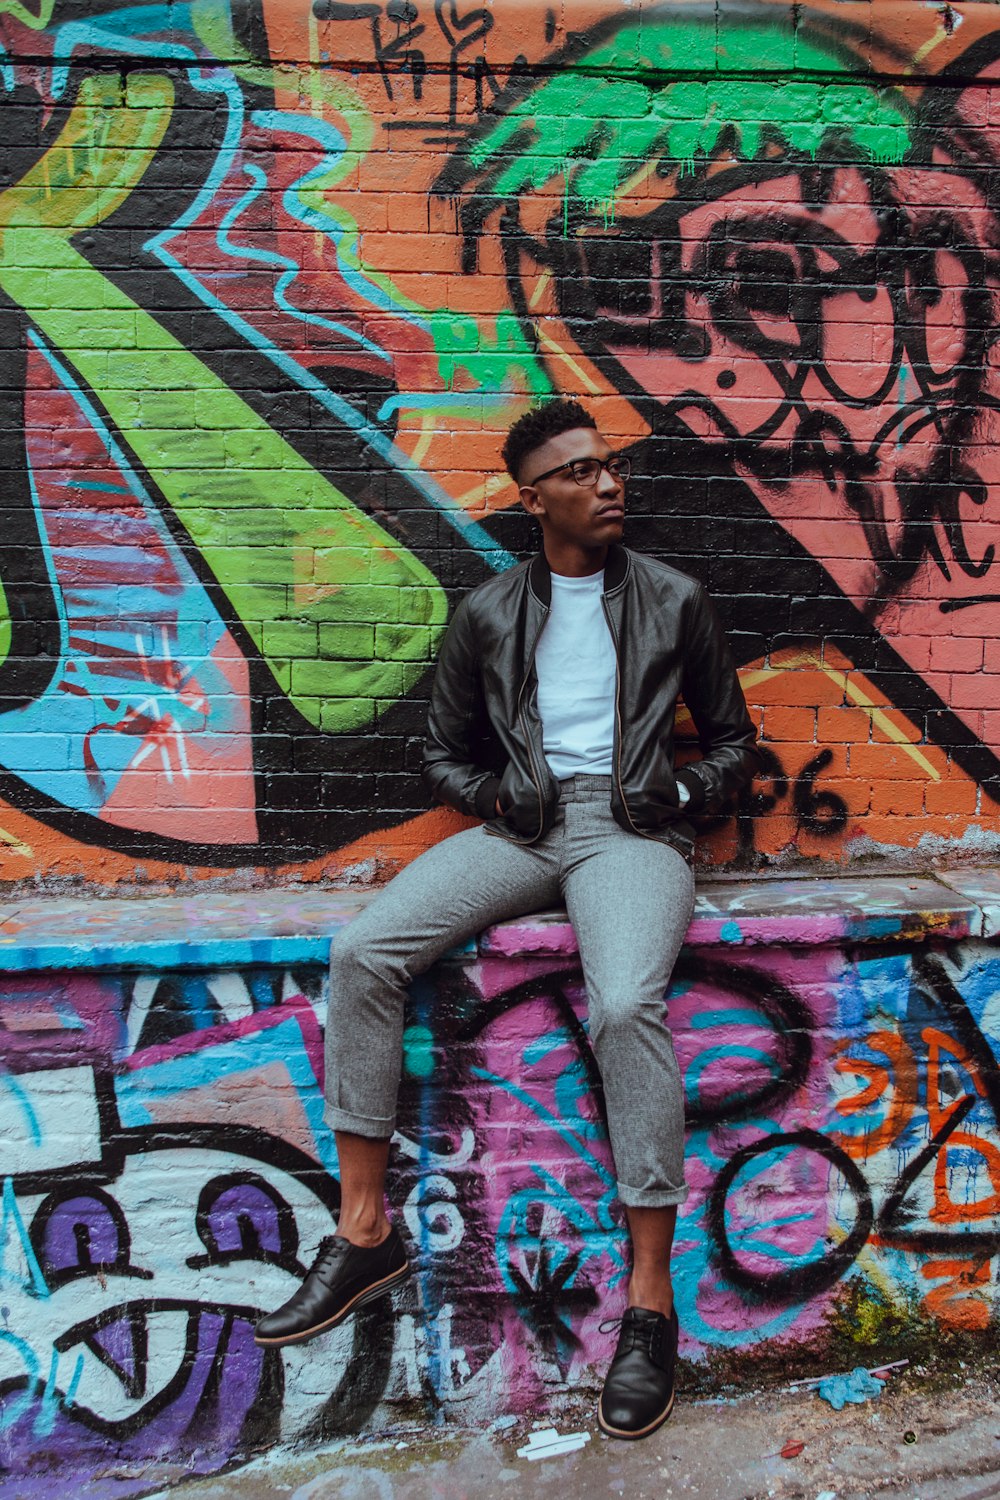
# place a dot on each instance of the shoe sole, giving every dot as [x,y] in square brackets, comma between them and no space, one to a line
[641,1432]
[370,1294]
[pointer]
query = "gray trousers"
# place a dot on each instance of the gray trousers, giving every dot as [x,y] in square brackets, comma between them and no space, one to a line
[630,901]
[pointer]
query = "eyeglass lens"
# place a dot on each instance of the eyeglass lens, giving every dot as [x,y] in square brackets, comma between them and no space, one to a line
[588,470]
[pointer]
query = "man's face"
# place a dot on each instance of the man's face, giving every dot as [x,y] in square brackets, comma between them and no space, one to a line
[585,516]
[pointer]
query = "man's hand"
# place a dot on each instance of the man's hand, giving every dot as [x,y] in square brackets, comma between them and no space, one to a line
[499,809]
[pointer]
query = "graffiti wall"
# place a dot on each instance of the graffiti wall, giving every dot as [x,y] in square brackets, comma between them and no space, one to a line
[276,277]
[167,1177]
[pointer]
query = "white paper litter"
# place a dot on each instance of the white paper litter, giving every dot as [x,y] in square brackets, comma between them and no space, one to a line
[549,1443]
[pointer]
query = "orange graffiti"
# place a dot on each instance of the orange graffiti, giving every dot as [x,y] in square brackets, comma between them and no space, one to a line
[961,1300]
[898,1080]
[940,1046]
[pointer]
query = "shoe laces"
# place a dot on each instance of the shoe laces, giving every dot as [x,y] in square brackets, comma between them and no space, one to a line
[331,1249]
[636,1334]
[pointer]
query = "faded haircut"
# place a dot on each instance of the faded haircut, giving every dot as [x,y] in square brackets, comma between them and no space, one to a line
[537,426]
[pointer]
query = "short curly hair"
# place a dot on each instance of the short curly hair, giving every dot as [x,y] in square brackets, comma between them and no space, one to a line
[537,426]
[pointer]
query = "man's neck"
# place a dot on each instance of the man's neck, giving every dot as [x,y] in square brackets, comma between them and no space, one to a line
[574,562]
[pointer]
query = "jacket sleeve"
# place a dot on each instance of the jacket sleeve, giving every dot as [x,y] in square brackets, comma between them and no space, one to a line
[712,691]
[450,774]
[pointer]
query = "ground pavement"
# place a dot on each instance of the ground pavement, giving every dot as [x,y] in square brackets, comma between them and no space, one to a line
[930,1435]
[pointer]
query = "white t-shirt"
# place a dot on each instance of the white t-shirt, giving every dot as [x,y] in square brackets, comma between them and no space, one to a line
[575,665]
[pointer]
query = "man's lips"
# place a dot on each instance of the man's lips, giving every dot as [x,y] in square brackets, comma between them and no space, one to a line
[615,510]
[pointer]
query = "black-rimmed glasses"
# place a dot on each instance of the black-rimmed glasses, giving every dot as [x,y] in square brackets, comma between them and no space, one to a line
[587,471]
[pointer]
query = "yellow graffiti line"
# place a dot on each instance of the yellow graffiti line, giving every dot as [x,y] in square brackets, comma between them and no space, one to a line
[55,194]
[881,720]
[869,1261]
[16,845]
[581,374]
[312,31]
[633,183]
[539,291]
[480,493]
[878,716]
[928,47]
[25,16]
[749,680]
[428,430]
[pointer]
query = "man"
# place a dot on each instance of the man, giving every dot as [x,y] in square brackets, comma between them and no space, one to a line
[573,663]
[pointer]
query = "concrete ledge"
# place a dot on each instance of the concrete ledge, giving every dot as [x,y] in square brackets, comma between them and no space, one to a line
[211,929]
[983,888]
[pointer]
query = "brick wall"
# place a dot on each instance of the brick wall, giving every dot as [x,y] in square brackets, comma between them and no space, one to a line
[171,1175]
[277,277]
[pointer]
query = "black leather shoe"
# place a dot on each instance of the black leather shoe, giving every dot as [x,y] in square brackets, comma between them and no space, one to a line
[343,1277]
[638,1393]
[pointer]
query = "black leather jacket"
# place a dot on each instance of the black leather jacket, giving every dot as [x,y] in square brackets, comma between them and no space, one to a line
[668,642]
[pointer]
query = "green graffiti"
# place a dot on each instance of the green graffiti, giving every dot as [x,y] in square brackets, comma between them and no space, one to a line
[5,626]
[309,575]
[469,357]
[598,129]
[37,20]
[418,1052]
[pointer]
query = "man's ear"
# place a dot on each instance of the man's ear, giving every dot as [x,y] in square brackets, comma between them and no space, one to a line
[531,500]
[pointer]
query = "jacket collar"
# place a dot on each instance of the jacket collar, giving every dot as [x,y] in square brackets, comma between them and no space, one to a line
[616,570]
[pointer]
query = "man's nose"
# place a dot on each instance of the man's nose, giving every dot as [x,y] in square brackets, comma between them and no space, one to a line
[607,484]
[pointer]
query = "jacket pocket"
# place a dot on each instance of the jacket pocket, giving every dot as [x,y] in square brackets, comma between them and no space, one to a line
[676,840]
[523,811]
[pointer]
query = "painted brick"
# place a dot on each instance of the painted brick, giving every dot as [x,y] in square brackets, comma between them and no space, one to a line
[265,329]
[196,1023]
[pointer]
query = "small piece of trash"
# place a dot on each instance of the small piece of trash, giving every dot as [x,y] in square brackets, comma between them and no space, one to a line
[881,1372]
[549,1443]
[502,1423]
[792,1449]
[909,1437]
[857,1387]
[401,1445]
[827,1495]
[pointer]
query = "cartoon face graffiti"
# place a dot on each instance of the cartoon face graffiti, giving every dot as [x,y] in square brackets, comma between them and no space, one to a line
[129,1305]
[796,286]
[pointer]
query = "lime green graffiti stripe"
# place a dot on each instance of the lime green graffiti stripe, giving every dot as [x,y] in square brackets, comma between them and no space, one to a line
[324,92]
[598,127]
[314,580]
[36,20]
[5,627]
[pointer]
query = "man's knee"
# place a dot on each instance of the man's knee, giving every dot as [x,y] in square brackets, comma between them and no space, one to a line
[353,955]
[622,1009]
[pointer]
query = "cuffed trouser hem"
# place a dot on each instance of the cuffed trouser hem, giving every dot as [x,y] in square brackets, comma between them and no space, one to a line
[652,1197]
[376,1128]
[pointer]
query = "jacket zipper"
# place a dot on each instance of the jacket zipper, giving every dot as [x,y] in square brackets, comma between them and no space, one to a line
[536,779]
[618,747]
